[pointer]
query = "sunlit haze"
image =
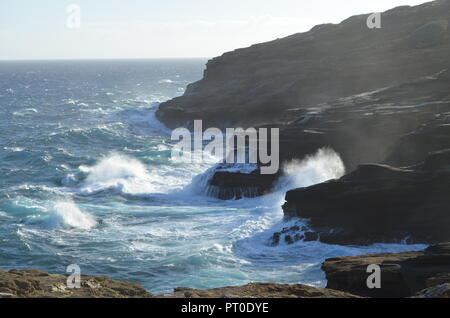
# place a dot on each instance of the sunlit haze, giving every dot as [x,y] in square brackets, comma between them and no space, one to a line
[162,29]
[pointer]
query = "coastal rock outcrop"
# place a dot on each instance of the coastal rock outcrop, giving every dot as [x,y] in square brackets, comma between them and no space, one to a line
[378,203]
[35,283]
[261,290]
[372,95]
[398,126]
[226,185]
[424,274]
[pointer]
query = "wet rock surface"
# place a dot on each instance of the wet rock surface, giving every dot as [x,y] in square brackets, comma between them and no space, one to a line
[421,274]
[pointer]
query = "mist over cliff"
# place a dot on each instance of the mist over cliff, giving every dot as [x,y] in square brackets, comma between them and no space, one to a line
[260,84]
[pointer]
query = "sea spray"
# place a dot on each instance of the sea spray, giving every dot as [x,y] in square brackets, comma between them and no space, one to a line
[117,173]
[324,165]
[67,214]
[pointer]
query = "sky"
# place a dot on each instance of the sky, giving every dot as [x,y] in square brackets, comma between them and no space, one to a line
[126,29]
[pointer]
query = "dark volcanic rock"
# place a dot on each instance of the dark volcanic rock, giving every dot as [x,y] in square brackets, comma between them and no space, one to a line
[260,84]
[226,185]
[401,123]
[412,148]
[402,274]
[261,290]
[378,203]
[39,284]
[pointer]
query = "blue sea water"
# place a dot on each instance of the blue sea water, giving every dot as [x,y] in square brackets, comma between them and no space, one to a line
[86,178]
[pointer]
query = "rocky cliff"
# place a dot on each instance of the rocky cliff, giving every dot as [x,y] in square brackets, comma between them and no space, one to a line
[373,95]
[379,203]
[260,84]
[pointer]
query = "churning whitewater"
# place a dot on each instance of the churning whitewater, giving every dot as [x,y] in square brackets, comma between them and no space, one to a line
[88,179]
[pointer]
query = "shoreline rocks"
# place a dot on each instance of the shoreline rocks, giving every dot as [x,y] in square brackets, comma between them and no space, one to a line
[379,204]
[420,274]
[35,283]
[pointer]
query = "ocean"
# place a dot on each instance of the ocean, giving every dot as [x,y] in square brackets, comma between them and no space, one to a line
[86,178]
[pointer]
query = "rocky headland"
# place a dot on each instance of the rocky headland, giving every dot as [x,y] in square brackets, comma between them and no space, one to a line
[372,95]
[262,84]
[378,97]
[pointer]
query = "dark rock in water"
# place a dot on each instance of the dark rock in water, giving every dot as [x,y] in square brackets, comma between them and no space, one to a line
[378,203]
[261,84]
[260,290]
[39,284]
[402,274]
[227,185]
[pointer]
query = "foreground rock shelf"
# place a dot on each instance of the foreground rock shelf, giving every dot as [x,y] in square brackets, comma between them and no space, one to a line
[39,284]
[425,273]
[261,290]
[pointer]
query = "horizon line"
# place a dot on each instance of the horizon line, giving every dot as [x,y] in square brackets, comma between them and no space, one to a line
[103,59]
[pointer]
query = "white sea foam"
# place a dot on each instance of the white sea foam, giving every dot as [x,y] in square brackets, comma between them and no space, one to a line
[25,112]
[14,149]
[122,174]
[67,214]
[165,81]
[117,173]
[324,165]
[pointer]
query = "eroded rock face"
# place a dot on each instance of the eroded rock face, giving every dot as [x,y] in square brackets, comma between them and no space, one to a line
[39,284]
[374,96]
[402,274]
[261,290]
[260,84]
[378,203]
[226,185]
[399,126]
[414,147]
